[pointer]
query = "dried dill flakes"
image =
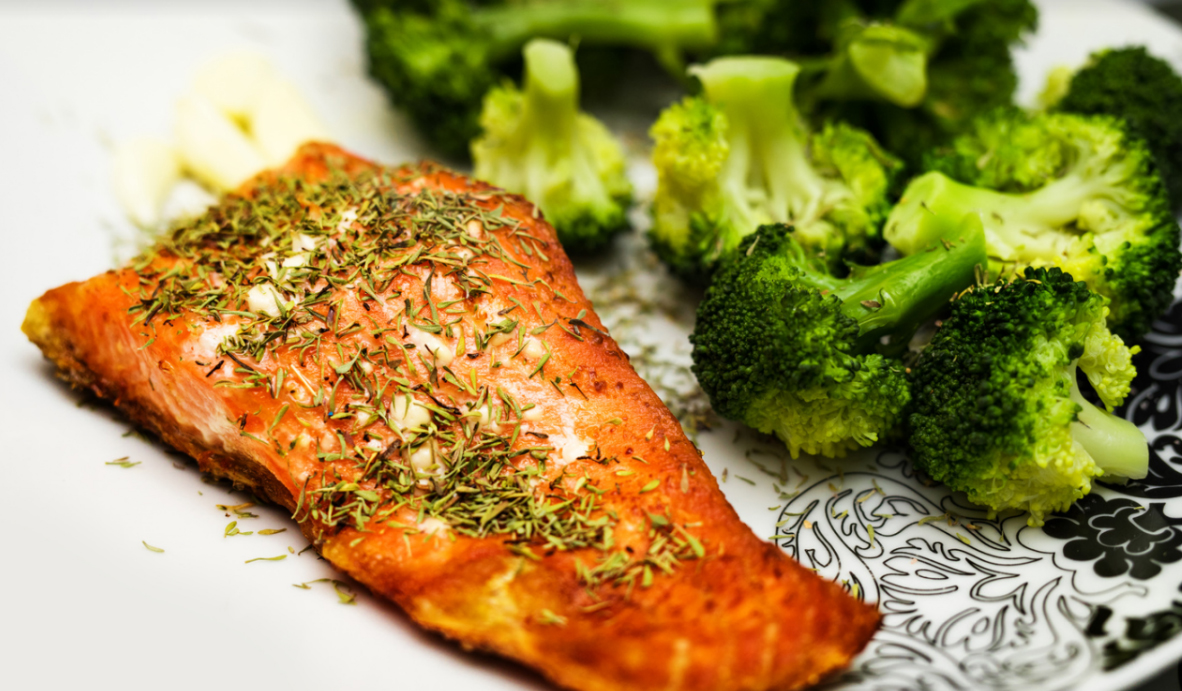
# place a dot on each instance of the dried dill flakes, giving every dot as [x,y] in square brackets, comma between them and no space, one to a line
[151,548]
[281,557]
[963,539]
[272,531]
[232,530]
[932,519]
[747,480]
[551,619]
[239,509]
[286,267]
[345,594]
[123,462]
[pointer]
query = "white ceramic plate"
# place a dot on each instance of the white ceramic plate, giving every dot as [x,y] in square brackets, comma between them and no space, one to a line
[85,604]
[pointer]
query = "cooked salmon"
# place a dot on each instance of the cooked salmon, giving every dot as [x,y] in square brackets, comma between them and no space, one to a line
[403,359]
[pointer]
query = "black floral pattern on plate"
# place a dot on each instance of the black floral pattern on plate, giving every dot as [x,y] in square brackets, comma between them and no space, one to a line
[1121,535]
[1141,634]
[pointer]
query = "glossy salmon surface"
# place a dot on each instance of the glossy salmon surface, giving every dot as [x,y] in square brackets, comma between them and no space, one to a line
[404,360]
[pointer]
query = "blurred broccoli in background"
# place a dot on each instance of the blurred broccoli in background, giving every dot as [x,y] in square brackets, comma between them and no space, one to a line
[740,156]
[536,142]
[912,72]
[438,58]
[1074,191]
[785,347]
[1134,85]
[997,410]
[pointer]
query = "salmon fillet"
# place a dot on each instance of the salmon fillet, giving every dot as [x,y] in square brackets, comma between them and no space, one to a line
[404,360]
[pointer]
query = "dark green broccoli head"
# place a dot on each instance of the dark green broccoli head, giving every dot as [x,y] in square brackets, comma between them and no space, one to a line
[740,156]
[536,142]
[1078,192]
[780,27]
[435,64]
[997,412]
[785,347]
[1134,85]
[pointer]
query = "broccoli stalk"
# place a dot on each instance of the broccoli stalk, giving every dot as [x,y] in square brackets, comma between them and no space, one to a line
[785,347]
[998,412]
[438,58]
[768,142]
[1115,444]
[667,29]
[538,144]
[1021,228]
[1061,190]
[740,156]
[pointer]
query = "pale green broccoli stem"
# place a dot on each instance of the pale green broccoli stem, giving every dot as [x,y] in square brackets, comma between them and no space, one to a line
[879,62]
[1018,227]
[664,27]
[1115,444]
[767,176]
[550,113]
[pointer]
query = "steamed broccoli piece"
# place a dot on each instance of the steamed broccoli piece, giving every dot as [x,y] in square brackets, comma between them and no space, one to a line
[968,70]
[877,62]
[537,143]
[437,58]
[997,411]
[740,155]
[785,347]
[1073,191]
[1144,90]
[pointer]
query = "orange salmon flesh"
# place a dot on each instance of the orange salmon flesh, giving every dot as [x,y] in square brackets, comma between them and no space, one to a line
[404,360]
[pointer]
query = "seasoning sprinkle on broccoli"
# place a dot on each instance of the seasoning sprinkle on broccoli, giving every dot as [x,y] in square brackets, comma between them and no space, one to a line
[785,347]
[1078,192]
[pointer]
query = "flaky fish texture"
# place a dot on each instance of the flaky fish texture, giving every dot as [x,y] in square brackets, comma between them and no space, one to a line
[404,360]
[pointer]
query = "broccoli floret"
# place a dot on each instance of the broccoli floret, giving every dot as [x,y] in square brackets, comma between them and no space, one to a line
[740,155]
[929,67]
[1134,85]
[537,143]
[997,411]
[877,62]
[437,58]
[1073,191]
[785,347]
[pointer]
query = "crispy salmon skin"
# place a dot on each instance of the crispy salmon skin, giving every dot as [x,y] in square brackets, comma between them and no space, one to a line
[404,360]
